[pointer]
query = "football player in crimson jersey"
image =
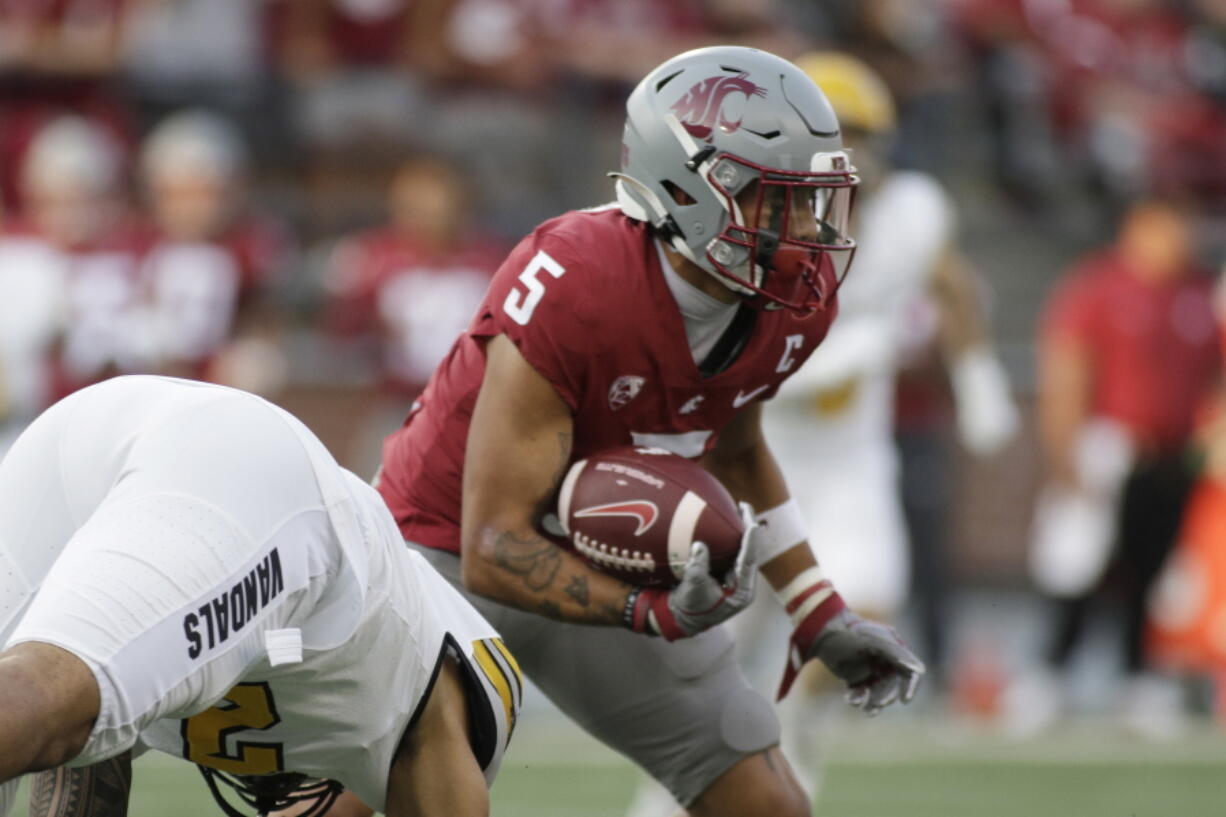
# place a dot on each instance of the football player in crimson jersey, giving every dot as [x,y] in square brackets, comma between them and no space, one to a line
[664,319]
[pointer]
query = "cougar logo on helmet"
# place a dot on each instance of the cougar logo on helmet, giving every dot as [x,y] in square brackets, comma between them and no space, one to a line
[703,104]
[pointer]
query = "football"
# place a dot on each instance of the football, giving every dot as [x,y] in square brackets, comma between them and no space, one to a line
[635,513]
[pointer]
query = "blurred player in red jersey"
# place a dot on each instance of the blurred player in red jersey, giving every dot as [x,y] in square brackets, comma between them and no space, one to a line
[664,319]
[211,262]
[414,283]
[404,291]
[1128,355]
[33,294]
[78,241]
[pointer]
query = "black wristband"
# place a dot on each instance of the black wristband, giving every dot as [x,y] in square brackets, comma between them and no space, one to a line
[628,611]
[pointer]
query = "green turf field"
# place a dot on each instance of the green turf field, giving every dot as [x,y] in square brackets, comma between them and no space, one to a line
[901,768]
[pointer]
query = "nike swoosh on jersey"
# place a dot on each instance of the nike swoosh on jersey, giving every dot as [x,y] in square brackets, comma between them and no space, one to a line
[742,398]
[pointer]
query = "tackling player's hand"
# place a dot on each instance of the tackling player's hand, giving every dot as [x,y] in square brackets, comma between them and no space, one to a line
[700,601]
[868,656]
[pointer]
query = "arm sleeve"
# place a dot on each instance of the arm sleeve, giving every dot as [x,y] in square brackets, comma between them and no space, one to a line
[540,300]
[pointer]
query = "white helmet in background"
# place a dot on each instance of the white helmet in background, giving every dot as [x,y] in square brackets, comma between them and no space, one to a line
[734,156]
[194,144]
[70,153]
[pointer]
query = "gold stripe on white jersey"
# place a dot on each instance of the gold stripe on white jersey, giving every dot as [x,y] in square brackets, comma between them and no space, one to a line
[498,677]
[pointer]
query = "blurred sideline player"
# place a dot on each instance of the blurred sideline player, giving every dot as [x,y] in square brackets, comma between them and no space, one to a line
[1187,606]
[211,261]
[834,421]
[400,294]
[186,568]
[1128,357]
[664,319]
[68,270]
[415,281]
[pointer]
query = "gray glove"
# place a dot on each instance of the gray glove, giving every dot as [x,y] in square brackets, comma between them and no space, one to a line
[700,601]
[870,658]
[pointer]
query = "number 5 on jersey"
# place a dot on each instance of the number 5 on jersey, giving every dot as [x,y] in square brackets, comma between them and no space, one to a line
[520,305]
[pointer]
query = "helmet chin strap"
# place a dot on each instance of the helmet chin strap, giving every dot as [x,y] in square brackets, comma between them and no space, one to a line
[652,209]
[702,162]
[655,214]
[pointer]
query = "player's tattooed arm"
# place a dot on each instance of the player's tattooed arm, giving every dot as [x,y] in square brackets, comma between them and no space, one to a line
[519,448]
[577,590]
[560,584]
[550,610]
[100,790]
[533,559]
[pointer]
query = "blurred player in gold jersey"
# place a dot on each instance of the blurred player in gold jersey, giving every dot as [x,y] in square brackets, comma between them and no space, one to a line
[834,421]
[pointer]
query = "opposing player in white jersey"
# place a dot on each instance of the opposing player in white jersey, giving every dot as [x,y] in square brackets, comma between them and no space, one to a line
[184,567]
[833,421]
[840,403]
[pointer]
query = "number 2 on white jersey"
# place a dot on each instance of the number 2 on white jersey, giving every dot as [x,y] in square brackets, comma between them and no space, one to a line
[249,705]
[520,305]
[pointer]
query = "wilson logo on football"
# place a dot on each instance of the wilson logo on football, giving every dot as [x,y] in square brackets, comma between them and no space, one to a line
[643,510]
[702,108]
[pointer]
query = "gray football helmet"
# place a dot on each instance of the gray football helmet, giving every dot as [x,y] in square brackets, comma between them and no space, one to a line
[734,156]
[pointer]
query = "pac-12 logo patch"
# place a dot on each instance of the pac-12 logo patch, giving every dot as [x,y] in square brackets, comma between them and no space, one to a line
[702,109]
[643,510]
[625,389]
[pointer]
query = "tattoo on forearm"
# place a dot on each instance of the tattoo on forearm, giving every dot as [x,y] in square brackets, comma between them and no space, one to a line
[100,790]
[550,610]
[577,590]
[534,559]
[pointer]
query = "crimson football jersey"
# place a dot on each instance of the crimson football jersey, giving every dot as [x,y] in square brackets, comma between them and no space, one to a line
[585,301]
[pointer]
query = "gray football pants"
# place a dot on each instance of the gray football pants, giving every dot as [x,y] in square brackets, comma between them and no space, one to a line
[681,710]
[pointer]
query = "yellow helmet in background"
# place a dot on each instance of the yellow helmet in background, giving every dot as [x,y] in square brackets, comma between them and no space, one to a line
[859,96]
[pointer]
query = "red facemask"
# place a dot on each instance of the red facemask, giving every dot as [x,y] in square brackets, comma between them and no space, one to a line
[793,226]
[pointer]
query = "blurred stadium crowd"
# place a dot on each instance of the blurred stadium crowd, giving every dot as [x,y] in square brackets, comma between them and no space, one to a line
[306,198]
